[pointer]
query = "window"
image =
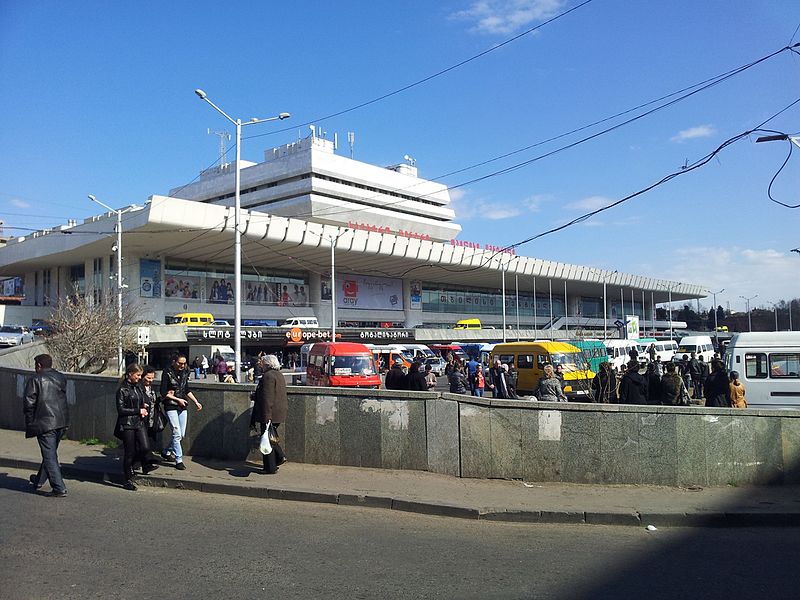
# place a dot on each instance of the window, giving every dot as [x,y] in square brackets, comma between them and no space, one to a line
[525,361]
[784,365]
[755,366]
[507,359]
[541,361]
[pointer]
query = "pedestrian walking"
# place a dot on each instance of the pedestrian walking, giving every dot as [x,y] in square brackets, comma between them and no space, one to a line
[498,380]
[458,381]
[416,379]
[156,417]
[604,385]
[44,404]
[132,412]
[204,366]
[550,388]
[222,369]
[175,394]
[472,366]
[197,365]
[653,384]
[704,373]
[270,409]
[696,372]
[430,377]
[396,379]
[717,388]
[479,381]
[672,388]
[737,391]
[633,386]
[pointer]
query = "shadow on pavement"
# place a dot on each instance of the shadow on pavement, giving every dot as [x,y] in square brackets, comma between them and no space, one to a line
[716,558]
[16,484]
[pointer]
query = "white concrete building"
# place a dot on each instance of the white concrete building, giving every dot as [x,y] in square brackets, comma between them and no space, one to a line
[397,259]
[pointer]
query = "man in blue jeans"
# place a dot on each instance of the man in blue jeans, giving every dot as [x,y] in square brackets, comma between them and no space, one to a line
[46,417]
[472,366]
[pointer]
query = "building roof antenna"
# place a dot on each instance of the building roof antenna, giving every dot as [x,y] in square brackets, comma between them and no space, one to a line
[351,139]
[224,136]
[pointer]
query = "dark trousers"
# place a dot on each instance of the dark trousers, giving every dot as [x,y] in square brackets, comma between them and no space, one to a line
[50,469]
[697,388]
[275,458]
[137,448]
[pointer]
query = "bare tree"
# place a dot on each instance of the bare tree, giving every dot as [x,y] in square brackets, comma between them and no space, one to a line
[85,334]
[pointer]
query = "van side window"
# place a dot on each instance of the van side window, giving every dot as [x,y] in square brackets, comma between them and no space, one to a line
[755,366]
[525,361]
[784,365]
[507,359]
[541,361]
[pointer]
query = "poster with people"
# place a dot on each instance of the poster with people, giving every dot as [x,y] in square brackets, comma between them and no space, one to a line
[183,286]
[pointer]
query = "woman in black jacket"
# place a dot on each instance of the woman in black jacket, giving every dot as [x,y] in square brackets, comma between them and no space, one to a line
[132,423]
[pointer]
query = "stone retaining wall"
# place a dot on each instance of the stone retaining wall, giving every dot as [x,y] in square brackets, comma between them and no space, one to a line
[470,437]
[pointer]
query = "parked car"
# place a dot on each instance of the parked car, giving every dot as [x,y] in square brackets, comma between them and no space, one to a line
[42,328]
[220,323]
[15,335]
[437,365]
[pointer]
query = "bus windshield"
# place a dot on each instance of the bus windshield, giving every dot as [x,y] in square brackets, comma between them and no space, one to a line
[351,365]
[568,360]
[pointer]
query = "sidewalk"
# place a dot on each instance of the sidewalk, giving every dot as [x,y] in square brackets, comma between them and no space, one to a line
[429,493]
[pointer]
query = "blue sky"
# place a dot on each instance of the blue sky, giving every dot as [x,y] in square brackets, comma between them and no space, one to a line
[98,99]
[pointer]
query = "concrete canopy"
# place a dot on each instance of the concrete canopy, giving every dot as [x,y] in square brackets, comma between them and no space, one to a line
[184,230]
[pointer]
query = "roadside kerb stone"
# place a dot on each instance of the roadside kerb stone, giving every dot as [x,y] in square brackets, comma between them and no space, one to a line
[303,496]
[436,508]
[365,501]
[610,518]
[512,516]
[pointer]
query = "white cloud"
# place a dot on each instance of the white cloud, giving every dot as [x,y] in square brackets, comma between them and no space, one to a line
[508,16]
[19,203]
[467,208]
[590,203]
[700,131]
[739,271]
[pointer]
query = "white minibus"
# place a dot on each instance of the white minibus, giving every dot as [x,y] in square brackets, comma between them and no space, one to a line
[699,344]
[768,364]
[619,352]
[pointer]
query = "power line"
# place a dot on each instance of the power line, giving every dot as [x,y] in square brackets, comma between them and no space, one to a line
[429,77]
[685,92]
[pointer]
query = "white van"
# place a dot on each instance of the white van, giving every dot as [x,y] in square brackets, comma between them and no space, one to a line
[307,322]
[419,351]
[619,352]
[300,369]
[665,350]
[699,344]
[768,364]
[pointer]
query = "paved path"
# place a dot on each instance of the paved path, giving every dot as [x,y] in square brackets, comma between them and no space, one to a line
[430,493]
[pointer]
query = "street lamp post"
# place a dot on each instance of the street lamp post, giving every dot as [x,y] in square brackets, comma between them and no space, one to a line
[747,301]
[237,259]
[120,358]
[714,308]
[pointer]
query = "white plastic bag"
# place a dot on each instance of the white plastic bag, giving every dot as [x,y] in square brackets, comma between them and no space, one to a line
[264,444]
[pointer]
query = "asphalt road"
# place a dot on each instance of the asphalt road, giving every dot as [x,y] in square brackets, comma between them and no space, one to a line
[104,542]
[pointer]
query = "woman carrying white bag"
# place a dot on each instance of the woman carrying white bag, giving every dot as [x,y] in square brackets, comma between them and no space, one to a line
[270,408]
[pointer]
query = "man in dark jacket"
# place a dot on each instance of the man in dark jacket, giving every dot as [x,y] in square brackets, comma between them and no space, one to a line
[696,372]
[717,389]
[396,379]
[47,418]
[633,387]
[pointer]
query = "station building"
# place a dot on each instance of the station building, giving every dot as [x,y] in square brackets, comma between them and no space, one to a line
[399,261]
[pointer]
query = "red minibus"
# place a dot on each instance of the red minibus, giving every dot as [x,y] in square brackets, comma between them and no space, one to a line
[342,364]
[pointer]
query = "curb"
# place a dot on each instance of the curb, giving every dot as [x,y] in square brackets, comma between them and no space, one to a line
[435,508]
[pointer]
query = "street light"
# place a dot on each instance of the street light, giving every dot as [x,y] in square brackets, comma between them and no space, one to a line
[669,289]
[747,300]
[237,259]
[714,308]
[120,285]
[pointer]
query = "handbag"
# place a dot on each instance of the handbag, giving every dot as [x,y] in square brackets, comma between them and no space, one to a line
[159,419]
[264,444]
[274,438]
